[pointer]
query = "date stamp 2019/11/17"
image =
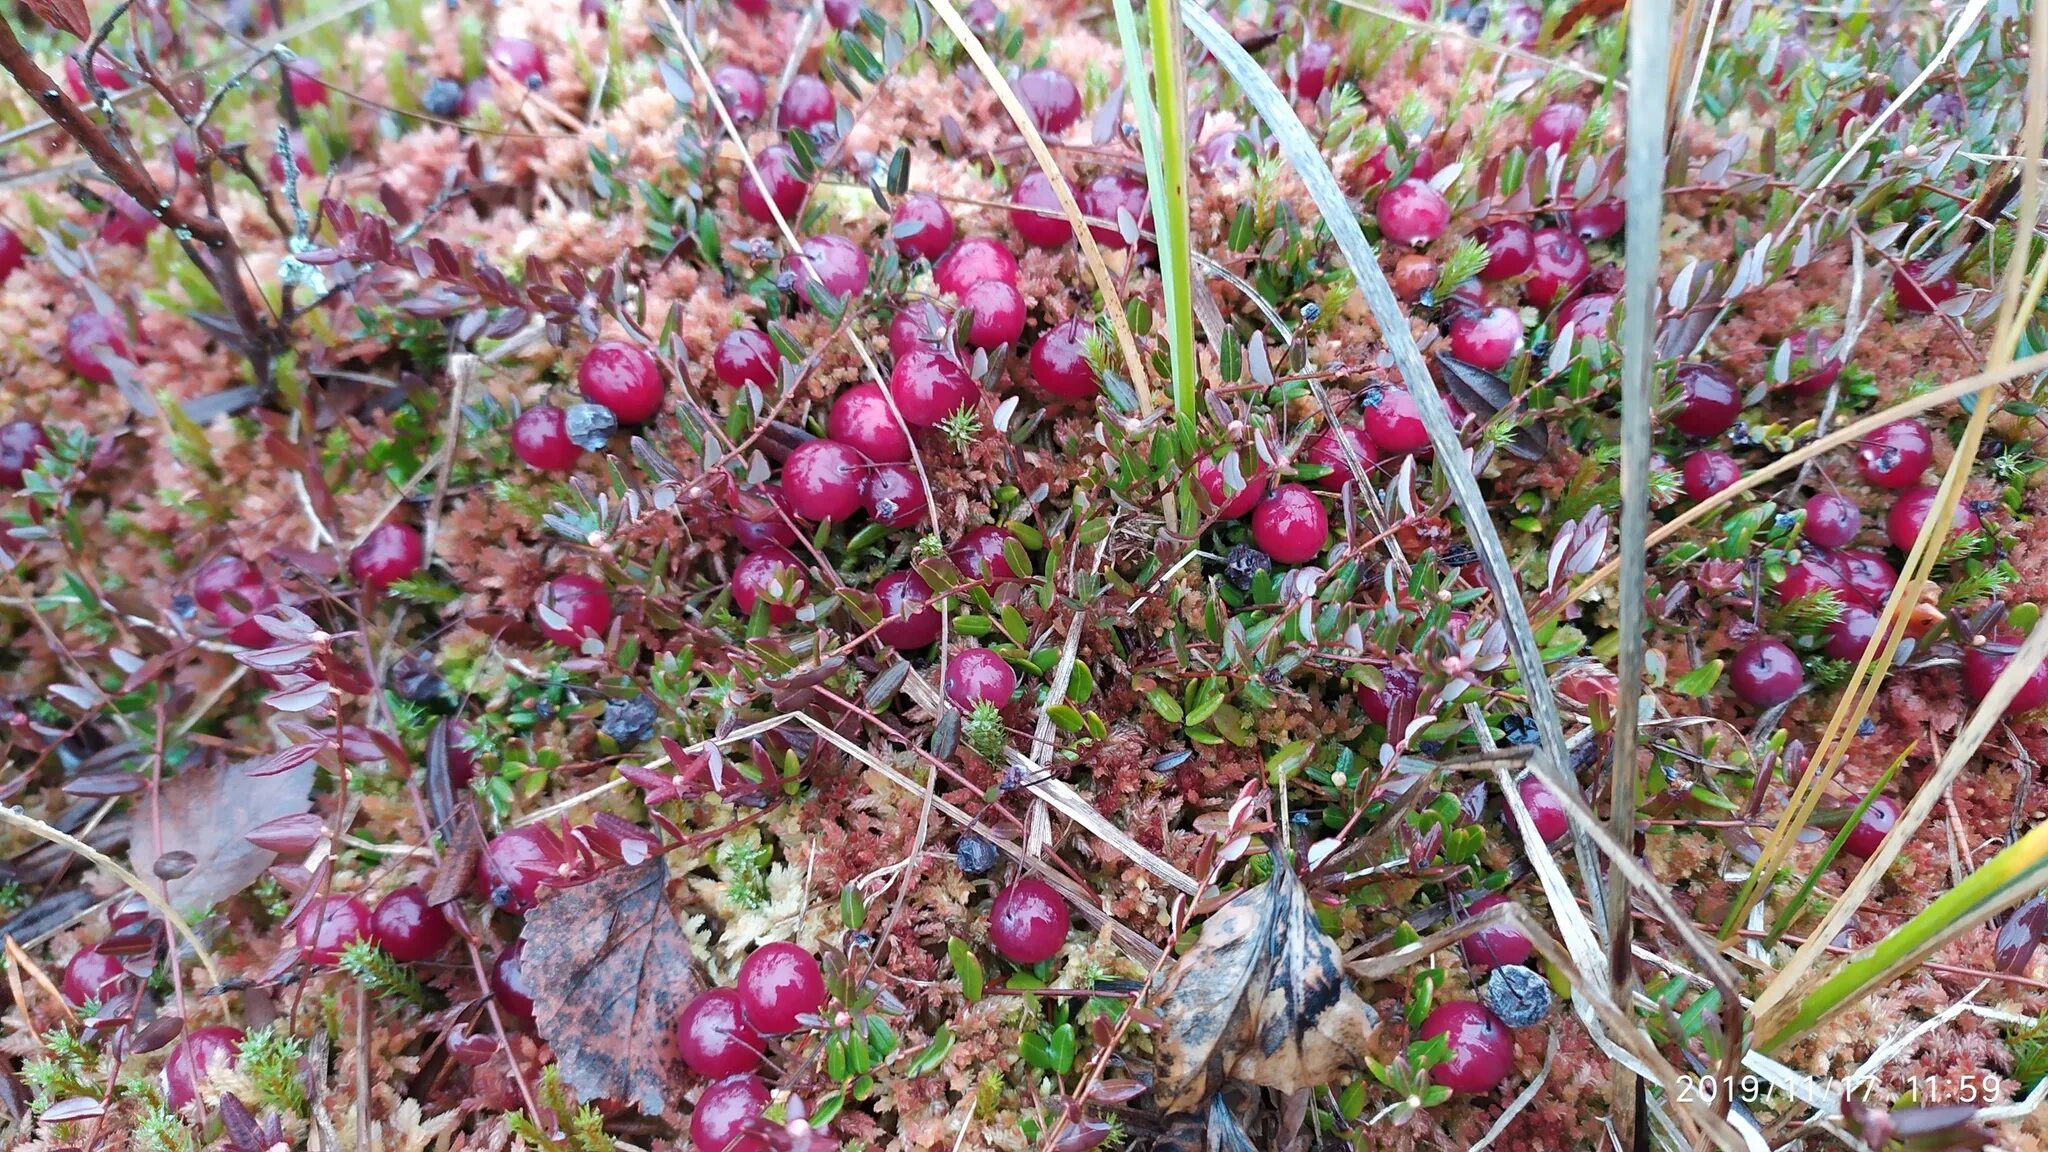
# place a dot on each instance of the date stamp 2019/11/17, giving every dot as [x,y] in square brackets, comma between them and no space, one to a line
[1930,1089]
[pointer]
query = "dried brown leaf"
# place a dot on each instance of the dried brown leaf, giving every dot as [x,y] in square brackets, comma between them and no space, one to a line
[208,811]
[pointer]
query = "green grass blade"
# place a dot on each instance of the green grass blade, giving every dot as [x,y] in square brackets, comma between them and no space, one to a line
[1162,131]
[1791,911]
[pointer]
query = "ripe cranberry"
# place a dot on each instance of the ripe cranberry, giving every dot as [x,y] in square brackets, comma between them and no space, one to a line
[1520,24]
[196,1059]
[1510,249]
[1916,292]
[1040,229]
[1814,368]
[724,1112]
[906,602]
[757,526]
[1498,945]
[92,975]
[1558,265]
[1050,99]
[1059,362]
[928,387]
[746,356]
[1982,665]
[1413,214]
[977,674]
[1850,633]
[970,261]
[405,926]
[461,756]
[773,565]
[1393,421]
[1709,471]
[807,103]
[1482,1048]
[1832,520]
[1399,686]
[1708,400]
[1110,197]
[518,861]
[1290,525]
[843,14]
[832,263]
[755,8]
[980,554]
[713,1037]
[821,479]
[1231,505]
[1328,450]
[861,418]
[1557,124]
[1315,70]
[330,924]
[522,58]
[583,603]
[1869,574]
[919,324]
[1871,830]
[233,592]
[1545,809]
[777,166]
[509,986]
[995,314]
[1896,455]
[921,227]
[301,159]
[1218,154]
[127,221]
[390,553]
[185,151]
[1908,514]
[624,378]
[11,252]
[104,70]
[1765,673]
[540,437]
[741,90]
[302,78]
[1487,338]
[23,444]
[1590,316]
[893,494]
[1598,220]
[1813,572]
[1029,921]
[778,983]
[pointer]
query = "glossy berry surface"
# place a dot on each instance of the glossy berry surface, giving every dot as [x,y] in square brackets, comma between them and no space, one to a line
[1814,571]
[979,553]
[1029,921]
[921,226]
[518,861]
[910,622]
[1486,338]
[753,577]
[831,264]
[1908,514]
[723,1113]
[928,387]
[821,479]
[1510,249]
[1896,455]
[1290,524]
[1558,264]
[1599,219]
[893,494]
[1315,69]
[1393,421]
[760,520]
[1038,217]
[302,79]
[330,924]
[1050,99]
[1919,293]
[1545,809]
[713,1037]
[624,378]
[1869,575]
[1871,830]
[390,553]
[1413,214]
[233,593]
[1231,504]
[785,189]
[779,983]
[1813,367]
[1111,197]
[977,675]
[1846,637]
[522,58]
[1708,400]
[1496,945]
[127,221]
[408,928]
[1765,673]
[1556,126]
[860,418]
[90,336]
[1059,362]
[509,986]
[1708,471]
[196,1059]
[583,603]
[970,261]
[1398,687]
[1482,1048]
[741,89]
[91,975]
[995,314]
[1984,663]
[806,103]
[919,324]
[746,356]
[1832,520]
[1327,449]
[1590,316]
[540,438]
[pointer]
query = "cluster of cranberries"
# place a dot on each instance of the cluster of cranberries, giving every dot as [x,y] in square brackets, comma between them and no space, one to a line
[719,1036]
[403,925]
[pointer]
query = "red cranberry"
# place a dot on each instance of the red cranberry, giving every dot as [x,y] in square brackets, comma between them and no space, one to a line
[1029,922]
[713,1037]
[1315,70]
[1598,220]
[509,986]
[1059,362]
[1520,24]
[1040,229]
[1766,673]
[302,77]
[461,756]
[861,418]
[1813,572]
[995,314]
[1896,455]
[757,527]
[408,928]
[758,575]
[1487,338]
[724,1112]
[921,227]
[1708,471]
[23,444]
[583,603]
[893,494]
[928,387]
[980,554]
[1813,368]
[1482,1048]
[1231,505]
[970,261]
[330,924]
[741,91]
[1709,400]
[1916,292]
[1850,633]
[1557,124]
[1545,809]
[1413,214]
[755,8]
[746,356]
[1050,99]
[624,378]
[919,324]
[821,479]
[390,553]
[522,58]
[1558,265]
[1510,249]
[807,103]
[834,264]
[104,70]
[1290,525]
[1590,315]
[1110,197]
[975,675]
[1328,450]
[911,621]
[1414,9]
[127,221]
[92,975]
[1908,514]
[1984,663]
[1498,945]
[1871,830]
[777,166]
[1399,686]
[1869,574]
[1393,421]
[1832,520]
[196,1059]
[843,14]
[233,592]
[518,861]
[540,437]
[12,252]
[778,983]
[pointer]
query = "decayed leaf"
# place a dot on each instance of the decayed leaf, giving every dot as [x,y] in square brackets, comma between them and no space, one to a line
[208,812]
[1261,998]
[610,971]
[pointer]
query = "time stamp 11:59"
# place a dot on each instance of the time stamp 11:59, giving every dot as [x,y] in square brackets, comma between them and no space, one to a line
[1974,1087]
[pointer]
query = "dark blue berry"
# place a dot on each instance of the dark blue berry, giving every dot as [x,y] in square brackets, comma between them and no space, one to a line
[590,426]
[443,98]
[1517,731]
[1518,995]
[629,721]
[974,855]
[1242,566]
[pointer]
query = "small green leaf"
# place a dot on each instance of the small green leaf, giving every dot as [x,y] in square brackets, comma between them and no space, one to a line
[929,1057]
[967,968]
[1699,681]
[853,911]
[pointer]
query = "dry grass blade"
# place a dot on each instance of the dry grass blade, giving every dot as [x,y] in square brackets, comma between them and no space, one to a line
[1453,30]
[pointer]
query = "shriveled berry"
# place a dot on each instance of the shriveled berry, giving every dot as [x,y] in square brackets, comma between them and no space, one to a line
[1290,524]
[1558,125]
[975,675]
[1832,520]
[1413,213]
[1870,576]
[724,1112]
[1328,449]
[390,553]
[746,356]
[1050,99]
[1558,264]
[921,226]
[1059,362]
[973,855]
[1482,1048]
[995,314]
[1709,471]
[1896,455]
[518,861]
[1766,672]
[741,90]
[1871,830]
[757,525]
[785,189]
[509,985]
[233,592]
[584,605]
[1393,421]
[406,926]
[195,1060]
[1510,249]
[540,438]
[92,975]
[1111,197]
[1708,400]
[1036,213]
[779,983]
[522,58]
[1231,504]
[1486,338]
[1849,634]
[1920,293]
[1242,565]
[807,103]
[971,260]
[979,553]
[624,378]
[833,264]
[910,621]
[90,340]
[329,925]
[861,418]
[1519,995]
[928,387]
[1908,515]
[760,574]
[893,494]
[1984,663]
[713,1036]
[1498,944]
[1029,921]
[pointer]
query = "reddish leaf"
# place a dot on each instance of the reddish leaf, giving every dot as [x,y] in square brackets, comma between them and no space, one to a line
[76,1108]
[288,835]
[2020,935]
[209,811]
[610,970]
[68,15]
